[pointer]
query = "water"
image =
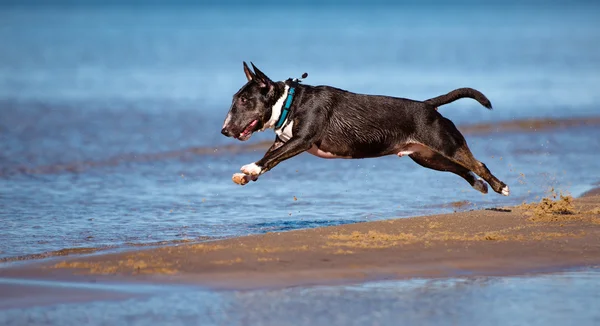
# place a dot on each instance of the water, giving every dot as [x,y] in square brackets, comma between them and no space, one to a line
[552,299]
[104,109]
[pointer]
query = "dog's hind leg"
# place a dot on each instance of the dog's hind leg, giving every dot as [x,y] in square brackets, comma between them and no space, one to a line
[464,157]
[435,161]
[443,137]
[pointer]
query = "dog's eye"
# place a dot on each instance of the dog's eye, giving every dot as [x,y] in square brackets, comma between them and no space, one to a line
[243,99]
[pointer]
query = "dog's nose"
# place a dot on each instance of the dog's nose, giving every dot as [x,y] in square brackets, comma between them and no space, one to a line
[225,132]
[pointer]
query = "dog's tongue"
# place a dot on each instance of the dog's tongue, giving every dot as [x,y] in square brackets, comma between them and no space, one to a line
[248,129]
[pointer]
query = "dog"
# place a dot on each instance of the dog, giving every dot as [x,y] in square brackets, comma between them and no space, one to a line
[330,123]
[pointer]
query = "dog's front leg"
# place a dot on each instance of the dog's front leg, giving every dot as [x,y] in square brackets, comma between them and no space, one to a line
[304,136]
[242,179]
[288,150]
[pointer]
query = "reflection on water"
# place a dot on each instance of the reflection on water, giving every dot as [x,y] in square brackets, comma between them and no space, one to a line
[554,299]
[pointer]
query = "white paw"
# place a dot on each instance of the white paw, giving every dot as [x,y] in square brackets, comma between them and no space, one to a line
[505,191]
[242,179]
[251,169]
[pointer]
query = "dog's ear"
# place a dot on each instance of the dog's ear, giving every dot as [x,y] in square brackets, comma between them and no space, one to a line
[248,72]
[261,78]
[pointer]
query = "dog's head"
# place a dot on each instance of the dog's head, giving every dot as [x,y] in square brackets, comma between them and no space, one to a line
[251,106]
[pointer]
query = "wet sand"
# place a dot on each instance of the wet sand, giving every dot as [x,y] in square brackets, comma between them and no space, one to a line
[556,234]
[21,293]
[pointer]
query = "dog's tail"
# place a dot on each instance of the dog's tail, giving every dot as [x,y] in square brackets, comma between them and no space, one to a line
[458,94]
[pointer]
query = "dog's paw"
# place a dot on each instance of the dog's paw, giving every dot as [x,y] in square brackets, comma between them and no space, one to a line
[251,169]
[243,179]
[505,191]
[240,178]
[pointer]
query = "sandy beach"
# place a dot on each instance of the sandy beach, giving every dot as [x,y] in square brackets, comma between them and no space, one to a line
[555,234]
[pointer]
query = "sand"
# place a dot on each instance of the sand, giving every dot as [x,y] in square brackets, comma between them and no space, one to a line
[555,234]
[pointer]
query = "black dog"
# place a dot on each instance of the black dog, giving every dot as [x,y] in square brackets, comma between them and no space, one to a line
[332,123]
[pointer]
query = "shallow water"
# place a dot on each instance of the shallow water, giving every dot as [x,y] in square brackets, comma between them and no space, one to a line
[128,93]
[552,299]
[183,199]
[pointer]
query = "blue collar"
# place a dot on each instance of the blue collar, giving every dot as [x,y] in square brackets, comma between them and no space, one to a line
[286,107]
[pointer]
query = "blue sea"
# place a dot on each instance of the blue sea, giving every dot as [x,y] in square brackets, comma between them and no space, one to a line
[110,114]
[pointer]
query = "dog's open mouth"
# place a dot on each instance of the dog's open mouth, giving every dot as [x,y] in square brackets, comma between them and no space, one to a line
[245,135]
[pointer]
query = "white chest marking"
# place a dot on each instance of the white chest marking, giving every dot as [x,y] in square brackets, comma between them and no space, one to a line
[285,133]
[276,110]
